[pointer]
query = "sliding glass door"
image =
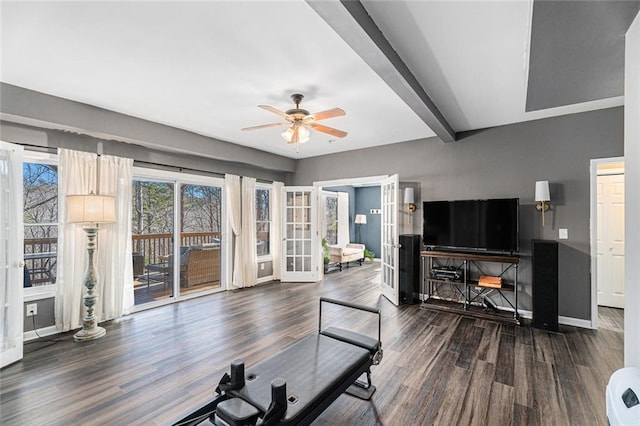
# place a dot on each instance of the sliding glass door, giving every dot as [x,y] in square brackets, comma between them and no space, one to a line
[152,223]
[200,238]
[177,235]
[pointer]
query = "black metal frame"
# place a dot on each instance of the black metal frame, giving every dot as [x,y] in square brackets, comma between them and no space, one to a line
[227,390]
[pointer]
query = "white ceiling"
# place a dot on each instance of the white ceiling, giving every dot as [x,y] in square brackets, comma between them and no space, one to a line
[205,66]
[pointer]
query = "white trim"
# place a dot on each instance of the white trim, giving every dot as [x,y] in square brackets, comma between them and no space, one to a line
[46,331]
[375,180]
[575,322]
[40,293]
[593,233]
[40,157]
[266,279]
[187,178]
[369,180]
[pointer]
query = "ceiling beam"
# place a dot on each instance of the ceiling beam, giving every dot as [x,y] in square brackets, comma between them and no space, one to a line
[350,20]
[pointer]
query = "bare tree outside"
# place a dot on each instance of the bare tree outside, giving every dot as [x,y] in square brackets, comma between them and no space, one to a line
[201,208]
[40,216]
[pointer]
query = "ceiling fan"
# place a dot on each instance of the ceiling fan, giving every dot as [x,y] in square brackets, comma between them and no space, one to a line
[300,121]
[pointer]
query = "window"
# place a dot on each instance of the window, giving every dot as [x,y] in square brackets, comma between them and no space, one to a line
[263,221]
[40,199]
[331,217]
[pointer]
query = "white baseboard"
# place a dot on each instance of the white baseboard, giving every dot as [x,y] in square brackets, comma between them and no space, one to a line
[576,322]
[47,331]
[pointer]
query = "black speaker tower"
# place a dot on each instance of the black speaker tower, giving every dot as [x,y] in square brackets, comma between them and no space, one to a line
[409,271]
[545,284]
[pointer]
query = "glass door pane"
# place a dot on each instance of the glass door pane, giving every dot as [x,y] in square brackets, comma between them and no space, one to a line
[152,219]
[390,239]
[299,248]
[200,237]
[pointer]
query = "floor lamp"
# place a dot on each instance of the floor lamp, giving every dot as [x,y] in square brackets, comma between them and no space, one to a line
[90,210]
[361,219]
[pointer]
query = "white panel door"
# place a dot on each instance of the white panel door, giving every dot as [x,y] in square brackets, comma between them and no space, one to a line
[610,218]
[11,253]
[300,243]
[390,245]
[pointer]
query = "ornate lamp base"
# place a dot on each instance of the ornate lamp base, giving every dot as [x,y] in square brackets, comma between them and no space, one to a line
[90,329]
[89,334]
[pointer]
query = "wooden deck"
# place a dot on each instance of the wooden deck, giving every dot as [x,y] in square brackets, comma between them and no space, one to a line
[438,368]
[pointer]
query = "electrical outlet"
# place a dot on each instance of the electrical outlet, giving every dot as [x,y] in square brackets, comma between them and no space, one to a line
[262,266]
[32,309]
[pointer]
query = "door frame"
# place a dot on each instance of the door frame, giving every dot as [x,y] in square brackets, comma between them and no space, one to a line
[177,179]
[593,231]
[367,180]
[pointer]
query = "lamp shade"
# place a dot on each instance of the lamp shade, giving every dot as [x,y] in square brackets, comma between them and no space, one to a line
[296,131]
[361,219]
[91,208]
[542,190]
[408,196]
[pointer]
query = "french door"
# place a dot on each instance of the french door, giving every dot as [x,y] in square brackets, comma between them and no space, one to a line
[390,245]
[11,253]
[300,244]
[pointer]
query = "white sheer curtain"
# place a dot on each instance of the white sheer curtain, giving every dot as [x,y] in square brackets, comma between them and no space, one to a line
[276,229]
[343,219]
[114,260]
[248,237]
[234,203]
[77,172]
[76,175]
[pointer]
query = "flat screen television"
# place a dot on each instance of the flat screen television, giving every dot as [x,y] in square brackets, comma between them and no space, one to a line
[486,225]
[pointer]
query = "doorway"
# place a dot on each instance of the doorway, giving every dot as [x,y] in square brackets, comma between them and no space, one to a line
[607,235]
[388,226]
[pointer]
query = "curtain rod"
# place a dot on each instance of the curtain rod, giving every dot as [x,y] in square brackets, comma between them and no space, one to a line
[178,168]
[54,150]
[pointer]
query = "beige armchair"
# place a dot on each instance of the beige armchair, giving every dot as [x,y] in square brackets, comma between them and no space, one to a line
[344,254]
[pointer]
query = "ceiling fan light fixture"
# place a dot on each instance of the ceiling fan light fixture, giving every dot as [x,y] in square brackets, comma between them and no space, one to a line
[303,134]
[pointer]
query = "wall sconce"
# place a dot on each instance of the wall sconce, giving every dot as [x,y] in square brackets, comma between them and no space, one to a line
[409,200]
[542,197]
[90,210]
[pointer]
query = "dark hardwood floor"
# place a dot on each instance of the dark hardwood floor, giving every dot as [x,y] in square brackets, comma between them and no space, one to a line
[438,368]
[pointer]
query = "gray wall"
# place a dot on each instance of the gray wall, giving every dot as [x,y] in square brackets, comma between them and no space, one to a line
[368,198]
[143,156]
[26,106]
[45,316]
[504,161]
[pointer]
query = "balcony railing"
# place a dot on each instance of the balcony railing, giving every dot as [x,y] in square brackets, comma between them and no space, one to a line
[155,246]
[40,254]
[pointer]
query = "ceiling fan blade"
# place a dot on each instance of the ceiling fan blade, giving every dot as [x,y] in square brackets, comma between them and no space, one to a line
[330,113]
[264,126]
[328,130]
[274,110]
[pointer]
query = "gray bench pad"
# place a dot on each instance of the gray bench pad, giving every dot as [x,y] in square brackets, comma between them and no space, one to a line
[312,367]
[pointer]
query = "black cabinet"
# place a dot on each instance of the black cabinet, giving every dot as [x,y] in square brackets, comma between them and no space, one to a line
[545,284]
[409,268]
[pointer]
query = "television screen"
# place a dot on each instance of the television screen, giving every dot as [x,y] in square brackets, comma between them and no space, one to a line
[490,225]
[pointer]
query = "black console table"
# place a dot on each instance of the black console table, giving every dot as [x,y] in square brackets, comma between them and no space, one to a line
[449,281]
